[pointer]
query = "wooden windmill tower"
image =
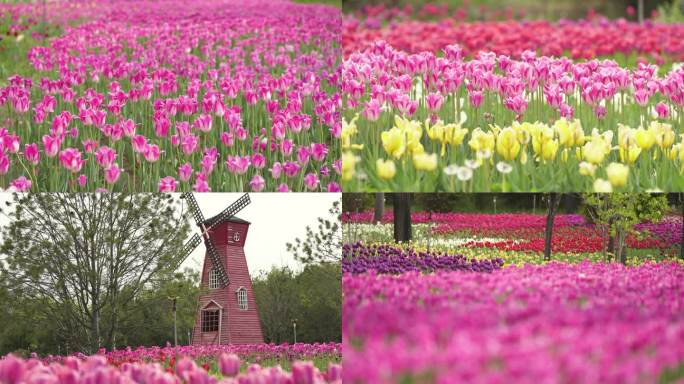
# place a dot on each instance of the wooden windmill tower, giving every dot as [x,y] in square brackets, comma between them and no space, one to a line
[227,312]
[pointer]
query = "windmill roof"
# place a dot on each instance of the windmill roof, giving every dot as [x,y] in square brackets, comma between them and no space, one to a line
[233,219]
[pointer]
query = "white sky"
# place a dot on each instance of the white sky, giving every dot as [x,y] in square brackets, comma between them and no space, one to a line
[277,218]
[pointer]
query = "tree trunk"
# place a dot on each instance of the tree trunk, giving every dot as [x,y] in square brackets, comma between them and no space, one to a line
[611,241]
[96,329]
[571,202]
[622,251]
[641,11]
[379,207]
[402,217]
[552,204]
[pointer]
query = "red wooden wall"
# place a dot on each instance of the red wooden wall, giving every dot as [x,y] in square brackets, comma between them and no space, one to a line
[237,326]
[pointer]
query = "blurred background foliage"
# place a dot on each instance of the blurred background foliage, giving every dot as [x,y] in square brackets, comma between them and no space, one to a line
[477,202]
[667,10]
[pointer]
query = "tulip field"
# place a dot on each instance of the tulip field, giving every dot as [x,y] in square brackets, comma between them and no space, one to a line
[193,365]
[588,105]
[139,96]
[471,299]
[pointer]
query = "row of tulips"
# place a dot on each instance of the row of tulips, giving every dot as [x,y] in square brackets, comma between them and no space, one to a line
[360,258]
[254,353]
[588,38]
[481,221]
[523,231]
[419,122]
[556,323]
[487,255]
[96,370]
[141,98]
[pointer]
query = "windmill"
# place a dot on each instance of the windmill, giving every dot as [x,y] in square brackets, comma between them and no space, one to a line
[227,311]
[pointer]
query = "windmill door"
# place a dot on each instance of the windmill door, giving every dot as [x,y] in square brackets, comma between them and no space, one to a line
[210,323]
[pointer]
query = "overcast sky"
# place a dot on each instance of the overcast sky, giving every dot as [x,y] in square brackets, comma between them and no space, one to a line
[277,218]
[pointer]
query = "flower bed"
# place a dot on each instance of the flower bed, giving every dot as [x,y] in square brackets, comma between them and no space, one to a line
[558,322]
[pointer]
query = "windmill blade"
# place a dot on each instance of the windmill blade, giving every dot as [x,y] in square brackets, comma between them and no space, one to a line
[188,247]
[216,261]
[194,208]
[229,212]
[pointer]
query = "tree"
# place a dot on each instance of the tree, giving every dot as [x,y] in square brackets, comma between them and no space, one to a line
[552,201]
[402,217]
[619,212]
[379,208]
[311,297]
[324,244]
[278,302]
[155,301]
[85,257]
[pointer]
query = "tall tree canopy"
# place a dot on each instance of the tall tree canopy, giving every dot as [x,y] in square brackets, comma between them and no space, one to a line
[86,257]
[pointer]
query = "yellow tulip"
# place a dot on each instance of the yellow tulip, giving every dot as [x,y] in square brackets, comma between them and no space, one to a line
[385,169]
[617,174]
[394,142]
[425,162]
[645,139]
[626,136]
[543,143]
[595,150]
[549,150]
[664,135]
[456,135]
[481,141]
[570,134]
[349,161]
[349,130]
[507,145]
[630,154]
[587,169]
[602,186]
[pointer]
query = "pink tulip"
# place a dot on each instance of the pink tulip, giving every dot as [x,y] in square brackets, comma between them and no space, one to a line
[303,155]
[311,181]
[319,151]
[32,154]
[283,188]
[291,169]
[662,110]
[82,180]
[257,183]
[258,160]
[112,174]
[11,143]
[185,172]
[151,152]
[189,144]
[21,184]
[168,184]
[229,364]
[139,143]
[237,164]
[105,156]
[276,170]
[51,145]
[90,145]
[334,187]
[11,370]
[71,159]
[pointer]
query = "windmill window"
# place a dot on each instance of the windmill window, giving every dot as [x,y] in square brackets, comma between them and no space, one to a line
[210,320]
[213,278]
[242,299]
